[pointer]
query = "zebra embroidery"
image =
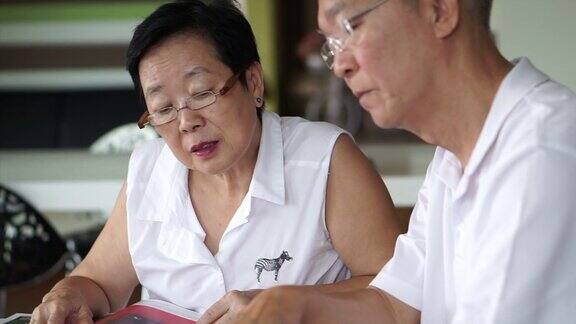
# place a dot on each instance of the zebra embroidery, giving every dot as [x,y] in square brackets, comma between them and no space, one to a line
[271,264]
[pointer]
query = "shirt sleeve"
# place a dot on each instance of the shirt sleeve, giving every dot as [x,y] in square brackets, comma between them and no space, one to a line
[403,275]
[520,266]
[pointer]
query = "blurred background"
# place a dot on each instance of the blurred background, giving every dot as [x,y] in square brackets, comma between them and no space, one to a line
[67,107]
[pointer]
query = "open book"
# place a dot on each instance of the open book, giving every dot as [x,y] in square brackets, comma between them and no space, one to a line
[18,318]
[144,312]
[151,312]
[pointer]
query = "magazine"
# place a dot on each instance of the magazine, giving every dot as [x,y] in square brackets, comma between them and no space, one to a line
[151,312]
[144,312]
[17,318]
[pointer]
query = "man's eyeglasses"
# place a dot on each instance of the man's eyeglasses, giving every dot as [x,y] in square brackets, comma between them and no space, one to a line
[196,101]
[335,45]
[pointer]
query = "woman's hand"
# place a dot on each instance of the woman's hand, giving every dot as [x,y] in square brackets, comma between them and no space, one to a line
[62,305]
[275,305]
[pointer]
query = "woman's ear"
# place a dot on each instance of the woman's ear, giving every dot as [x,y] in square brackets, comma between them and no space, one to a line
[255,82]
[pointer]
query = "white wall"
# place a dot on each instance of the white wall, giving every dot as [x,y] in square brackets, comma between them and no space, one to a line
[543,30]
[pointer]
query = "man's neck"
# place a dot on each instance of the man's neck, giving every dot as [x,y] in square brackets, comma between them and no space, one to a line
[454,114]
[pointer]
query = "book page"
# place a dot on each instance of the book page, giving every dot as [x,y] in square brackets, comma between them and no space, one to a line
[18,318]
[151,312]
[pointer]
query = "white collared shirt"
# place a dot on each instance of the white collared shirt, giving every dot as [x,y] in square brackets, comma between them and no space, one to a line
[496,242]
[282,211]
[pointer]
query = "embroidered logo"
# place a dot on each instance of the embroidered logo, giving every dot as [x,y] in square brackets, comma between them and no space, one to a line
[271,265]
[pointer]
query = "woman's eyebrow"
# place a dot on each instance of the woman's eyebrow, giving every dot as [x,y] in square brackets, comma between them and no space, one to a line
[196,71]
[192,73]
[152,90]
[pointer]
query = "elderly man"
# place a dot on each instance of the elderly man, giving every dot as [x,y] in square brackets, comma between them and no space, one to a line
[492,238]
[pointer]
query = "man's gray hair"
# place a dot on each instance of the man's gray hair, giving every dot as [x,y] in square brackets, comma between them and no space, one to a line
[479,10]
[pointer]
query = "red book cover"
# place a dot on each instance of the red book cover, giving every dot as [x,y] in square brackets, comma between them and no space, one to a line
[151,312]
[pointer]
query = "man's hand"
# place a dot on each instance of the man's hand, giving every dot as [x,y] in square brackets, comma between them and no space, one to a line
[275,305]
[226,310]
[62,306]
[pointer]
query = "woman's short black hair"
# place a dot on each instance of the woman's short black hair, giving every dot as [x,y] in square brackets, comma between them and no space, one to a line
[220,22]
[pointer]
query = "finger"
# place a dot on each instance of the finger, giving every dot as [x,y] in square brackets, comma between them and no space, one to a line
[248,315]
[222,320]
[252,293]
[58,312]
[216,311]
[36,313]
[57,318]
[85,321]
[83,316]
[227,318]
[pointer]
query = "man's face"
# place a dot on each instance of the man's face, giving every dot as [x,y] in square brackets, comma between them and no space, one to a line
[387,61]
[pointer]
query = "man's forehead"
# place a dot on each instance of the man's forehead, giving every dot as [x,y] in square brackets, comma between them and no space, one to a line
[331,8]
[328,10]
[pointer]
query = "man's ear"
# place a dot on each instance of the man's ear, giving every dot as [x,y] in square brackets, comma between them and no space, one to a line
[255,80]
[444,15]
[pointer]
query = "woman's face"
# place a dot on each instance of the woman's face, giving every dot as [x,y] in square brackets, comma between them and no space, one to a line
[214,139]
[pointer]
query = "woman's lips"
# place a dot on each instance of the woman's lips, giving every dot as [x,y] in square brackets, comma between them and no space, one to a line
[204,149]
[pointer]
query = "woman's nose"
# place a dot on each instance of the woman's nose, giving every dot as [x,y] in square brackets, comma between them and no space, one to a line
[189,120]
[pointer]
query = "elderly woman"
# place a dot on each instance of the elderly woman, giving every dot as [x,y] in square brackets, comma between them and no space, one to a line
[232,197]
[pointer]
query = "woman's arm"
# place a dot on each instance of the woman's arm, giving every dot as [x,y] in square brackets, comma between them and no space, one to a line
[102,283]
[360,216]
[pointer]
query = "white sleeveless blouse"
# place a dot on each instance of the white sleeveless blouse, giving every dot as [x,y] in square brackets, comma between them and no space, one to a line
[278,230]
